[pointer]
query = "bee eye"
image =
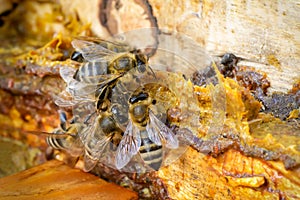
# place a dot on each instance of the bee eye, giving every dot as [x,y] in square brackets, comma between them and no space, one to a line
[140,97]
[153,101]
[77,56]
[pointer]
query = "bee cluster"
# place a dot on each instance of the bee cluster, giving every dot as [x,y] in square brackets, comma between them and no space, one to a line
[120,108]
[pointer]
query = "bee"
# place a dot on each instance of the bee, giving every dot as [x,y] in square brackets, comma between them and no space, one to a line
[145,134]
[95,142]
[104,57]
[140,106]
[104,62]
[66,139]
[63,142]
[100,140]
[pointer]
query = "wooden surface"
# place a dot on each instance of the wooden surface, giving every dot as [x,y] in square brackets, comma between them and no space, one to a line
[264,33]
[54,180]
[267,33]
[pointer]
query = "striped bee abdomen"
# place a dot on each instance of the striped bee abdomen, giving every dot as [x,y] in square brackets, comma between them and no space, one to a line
[56,143]
[89,72]
[151,153]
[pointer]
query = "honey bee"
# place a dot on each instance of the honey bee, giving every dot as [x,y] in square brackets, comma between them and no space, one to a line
[65,139]
[140,107]
[130,112]
[105,57]
[95,142]
[100,140]
[145,134]
[104,62]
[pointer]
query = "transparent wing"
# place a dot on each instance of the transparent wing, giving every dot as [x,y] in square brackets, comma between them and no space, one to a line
[95,49]
[77,89]
[113,45]
[160,132]
[95,140]
[129,145]
[67,73]
[81,89]
[153,131]
[66,102]
[85,134]
[89,163]
[76,148]
[98,80]
[90,50]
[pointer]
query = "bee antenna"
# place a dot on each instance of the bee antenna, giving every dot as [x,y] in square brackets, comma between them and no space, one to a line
[152,72]
[89,117]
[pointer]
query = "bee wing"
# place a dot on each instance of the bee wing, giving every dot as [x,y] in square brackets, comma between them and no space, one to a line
[89,163]
[117,46]
[83,89]
[76,148]
[95,140]
[100,80]
[67,73]
[94,49]
[129,145]
[63,100]
[158,132]
[152,131]
[77,88]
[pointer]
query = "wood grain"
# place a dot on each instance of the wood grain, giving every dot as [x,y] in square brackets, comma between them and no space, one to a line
[54,180]
[265,34]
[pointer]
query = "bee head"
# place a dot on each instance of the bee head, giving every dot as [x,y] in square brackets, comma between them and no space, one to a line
[141,61]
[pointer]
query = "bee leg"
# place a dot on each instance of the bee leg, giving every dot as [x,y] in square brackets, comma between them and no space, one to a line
[86,120]
[49,153]
[153,74]
[74,119]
